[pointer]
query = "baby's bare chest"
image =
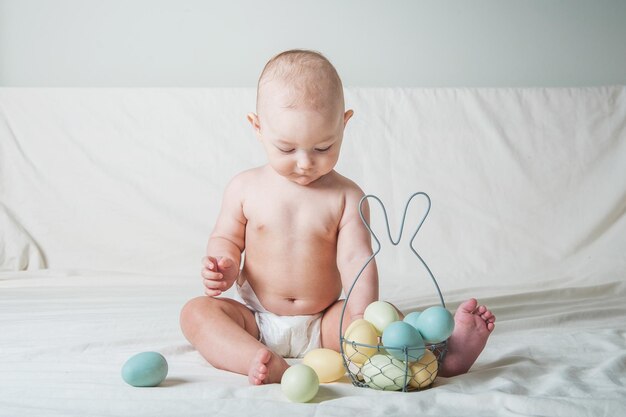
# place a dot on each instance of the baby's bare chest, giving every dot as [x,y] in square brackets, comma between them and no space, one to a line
[305,215]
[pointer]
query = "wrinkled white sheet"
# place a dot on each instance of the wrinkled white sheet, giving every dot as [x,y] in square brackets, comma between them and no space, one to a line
[529,215]
[65,335]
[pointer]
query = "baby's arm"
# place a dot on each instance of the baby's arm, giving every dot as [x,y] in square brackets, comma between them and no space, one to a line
[221,265]
[353,249]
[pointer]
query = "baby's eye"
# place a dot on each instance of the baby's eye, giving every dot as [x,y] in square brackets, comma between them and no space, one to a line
[326,149]
[286,151]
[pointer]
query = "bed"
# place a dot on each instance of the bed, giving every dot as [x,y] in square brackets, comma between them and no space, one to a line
[107,197]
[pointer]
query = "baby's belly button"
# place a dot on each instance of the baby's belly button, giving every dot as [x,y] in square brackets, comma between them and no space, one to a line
[297,306]
[296,302]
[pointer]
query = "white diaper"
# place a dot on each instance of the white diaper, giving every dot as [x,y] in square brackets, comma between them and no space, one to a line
[288,336]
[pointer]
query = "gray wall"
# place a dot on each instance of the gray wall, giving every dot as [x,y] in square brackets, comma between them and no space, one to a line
[193,43]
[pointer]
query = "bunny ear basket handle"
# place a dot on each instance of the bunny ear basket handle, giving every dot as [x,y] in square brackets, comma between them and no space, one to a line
[396,241]
[377,248]
[406,209]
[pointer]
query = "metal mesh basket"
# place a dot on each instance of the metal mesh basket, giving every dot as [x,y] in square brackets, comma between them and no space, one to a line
[390,367]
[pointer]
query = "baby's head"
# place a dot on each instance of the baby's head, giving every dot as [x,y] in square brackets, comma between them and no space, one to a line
[300,115]
[300,79]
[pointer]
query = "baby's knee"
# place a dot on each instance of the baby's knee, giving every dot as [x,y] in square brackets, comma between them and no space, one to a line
[194,311]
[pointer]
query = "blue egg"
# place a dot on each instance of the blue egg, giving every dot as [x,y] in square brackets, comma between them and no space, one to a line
[411,318]
[435,324]
[400,336]
[146,369]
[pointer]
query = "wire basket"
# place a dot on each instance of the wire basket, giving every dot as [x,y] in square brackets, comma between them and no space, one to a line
[377,366]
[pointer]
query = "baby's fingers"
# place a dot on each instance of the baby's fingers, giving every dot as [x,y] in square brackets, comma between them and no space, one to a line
[209,262]
[214,286]
[212,275]
[212,293]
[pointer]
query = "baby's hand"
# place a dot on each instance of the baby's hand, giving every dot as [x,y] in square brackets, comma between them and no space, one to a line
[219,274]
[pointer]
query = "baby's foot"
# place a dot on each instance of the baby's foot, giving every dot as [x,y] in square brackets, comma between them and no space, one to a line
[266,368]
[473,325]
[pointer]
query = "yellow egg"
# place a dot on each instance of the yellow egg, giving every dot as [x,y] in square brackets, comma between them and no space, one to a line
[423,371]
[327,364]
[362,332]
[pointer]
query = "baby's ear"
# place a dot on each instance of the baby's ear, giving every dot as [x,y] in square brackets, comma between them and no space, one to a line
[347,116]
[254,121]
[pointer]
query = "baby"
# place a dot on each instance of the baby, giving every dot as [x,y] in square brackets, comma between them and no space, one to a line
[297,220]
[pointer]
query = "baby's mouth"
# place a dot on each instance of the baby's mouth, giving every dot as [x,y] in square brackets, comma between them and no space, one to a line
[304,179]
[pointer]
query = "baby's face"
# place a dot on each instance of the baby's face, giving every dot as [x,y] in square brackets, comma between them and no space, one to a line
[302,144]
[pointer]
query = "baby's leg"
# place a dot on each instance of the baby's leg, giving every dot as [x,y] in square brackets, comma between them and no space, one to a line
[226,335]
[329,327]
[473,325]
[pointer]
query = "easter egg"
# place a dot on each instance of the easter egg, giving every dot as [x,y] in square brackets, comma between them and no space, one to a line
[380,314]
[384,372]
[435,324]
[424,371]
[300,383]
[146,369]
[362,332]
[399,336]
[411,318]
[327,364]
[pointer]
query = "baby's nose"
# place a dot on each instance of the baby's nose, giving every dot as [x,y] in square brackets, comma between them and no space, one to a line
[305,161]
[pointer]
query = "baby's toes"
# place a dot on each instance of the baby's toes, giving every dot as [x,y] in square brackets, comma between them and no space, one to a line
[489,317]
[481,309]
[483,312]
[261,370]
[259,375]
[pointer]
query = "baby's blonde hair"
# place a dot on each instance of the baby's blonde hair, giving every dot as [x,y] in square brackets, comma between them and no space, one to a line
[308,75]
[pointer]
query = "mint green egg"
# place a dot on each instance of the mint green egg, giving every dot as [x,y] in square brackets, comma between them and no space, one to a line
[145,369]
[300,383]
[384,372]
[380,314]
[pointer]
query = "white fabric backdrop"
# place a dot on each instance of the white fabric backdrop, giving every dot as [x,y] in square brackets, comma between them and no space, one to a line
[523,181]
